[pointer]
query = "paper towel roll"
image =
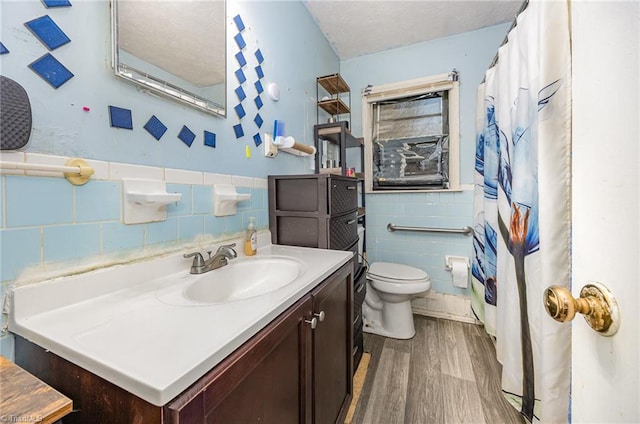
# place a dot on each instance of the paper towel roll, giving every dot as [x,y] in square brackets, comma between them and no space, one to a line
[459,271]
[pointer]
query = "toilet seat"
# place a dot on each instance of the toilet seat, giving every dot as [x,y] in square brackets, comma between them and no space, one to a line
[397,273]
[397,278]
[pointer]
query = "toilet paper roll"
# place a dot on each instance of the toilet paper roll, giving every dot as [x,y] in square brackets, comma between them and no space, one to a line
[459,272]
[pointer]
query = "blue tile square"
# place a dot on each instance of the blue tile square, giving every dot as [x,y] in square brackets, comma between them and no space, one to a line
[155,127]
[259,56]
[240,93]
[20,249]
[186,135]
[209,139]
[183,207]
[120,117]
[240,111]
[50,70]
[259,87]
[240,75]
[239,24]
[48,32]
[237,129]
[162,232]
[258,120]
[240,41]
[98,201]
[50,201]
[257,140]
[56,3]
[202,199]
[240,58]
[121,238]
[258,102]
[214,225]
[67,242]
[3,49]
[259,72]
[189,227]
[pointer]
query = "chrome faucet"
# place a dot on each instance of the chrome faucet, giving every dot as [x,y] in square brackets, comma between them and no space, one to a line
[218,260]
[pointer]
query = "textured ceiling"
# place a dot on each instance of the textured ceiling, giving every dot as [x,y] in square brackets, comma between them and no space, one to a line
[356,28]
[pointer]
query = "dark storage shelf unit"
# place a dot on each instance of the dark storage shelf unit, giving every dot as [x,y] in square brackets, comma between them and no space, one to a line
[321,211]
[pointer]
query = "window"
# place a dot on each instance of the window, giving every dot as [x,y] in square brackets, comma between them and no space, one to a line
[411,135]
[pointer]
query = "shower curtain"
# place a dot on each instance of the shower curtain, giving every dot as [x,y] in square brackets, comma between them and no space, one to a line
[522,210]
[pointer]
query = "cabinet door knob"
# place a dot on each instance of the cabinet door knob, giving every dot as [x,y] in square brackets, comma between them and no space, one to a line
[313,321]
[320,315]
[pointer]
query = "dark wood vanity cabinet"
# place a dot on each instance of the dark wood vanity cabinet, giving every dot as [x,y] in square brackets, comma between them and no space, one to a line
[298,369]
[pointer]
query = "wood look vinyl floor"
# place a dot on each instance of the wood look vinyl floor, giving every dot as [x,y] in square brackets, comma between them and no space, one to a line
[448,373]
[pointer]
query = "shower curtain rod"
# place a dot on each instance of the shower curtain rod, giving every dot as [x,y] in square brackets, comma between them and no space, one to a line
[525,3]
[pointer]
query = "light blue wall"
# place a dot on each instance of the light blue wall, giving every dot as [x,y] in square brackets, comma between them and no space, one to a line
[471,54]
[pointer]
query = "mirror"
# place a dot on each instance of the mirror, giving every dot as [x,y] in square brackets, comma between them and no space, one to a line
[175,48]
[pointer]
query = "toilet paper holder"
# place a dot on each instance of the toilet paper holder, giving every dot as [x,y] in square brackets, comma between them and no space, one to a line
[449,259]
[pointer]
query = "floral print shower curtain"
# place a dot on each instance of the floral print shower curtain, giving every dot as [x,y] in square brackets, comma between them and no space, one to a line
[522,208]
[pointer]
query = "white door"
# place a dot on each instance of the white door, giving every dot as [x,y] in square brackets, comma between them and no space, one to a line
[605,205]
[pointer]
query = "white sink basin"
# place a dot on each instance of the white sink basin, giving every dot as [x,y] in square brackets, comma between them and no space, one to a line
[244,278]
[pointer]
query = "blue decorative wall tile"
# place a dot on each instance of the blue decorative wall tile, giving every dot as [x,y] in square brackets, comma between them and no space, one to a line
[258,102]
[240,75]
[209,139]
[155,127]
[240,111]
[56,3]
[120,117]
[186,135]
[240,58]
[240,41]
[239,24]
[256,139]
[258,120]
[48,32]
[259,87]
[50,70]
[240,93]
[259,56]
[214,225]
[3,49]
[237,129]
[259,72]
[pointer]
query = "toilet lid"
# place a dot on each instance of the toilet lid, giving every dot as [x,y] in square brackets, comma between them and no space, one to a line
[391,271]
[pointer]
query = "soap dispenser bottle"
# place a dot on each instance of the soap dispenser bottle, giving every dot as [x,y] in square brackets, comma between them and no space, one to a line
[251,239]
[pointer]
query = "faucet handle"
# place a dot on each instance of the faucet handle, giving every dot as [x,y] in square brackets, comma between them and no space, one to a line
[198,260]
[227,250]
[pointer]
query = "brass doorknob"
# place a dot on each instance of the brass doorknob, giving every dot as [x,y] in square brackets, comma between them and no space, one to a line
[596,303]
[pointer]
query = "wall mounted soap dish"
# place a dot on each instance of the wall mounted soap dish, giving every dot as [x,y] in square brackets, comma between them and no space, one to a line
[145,200]
[225,199]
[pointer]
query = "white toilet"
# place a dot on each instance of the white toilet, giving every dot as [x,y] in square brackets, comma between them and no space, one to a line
[386,309]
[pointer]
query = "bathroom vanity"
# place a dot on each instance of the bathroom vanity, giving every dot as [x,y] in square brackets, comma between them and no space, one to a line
[283,356]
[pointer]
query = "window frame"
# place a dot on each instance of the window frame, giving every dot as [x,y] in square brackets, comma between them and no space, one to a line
[441,82]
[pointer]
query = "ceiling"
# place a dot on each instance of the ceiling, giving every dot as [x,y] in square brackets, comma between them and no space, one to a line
[359,27]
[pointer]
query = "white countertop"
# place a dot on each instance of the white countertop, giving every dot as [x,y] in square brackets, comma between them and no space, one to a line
[130,325]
